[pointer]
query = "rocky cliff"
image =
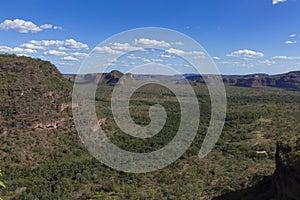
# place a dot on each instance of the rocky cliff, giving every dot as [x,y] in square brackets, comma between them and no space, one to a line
[284,184]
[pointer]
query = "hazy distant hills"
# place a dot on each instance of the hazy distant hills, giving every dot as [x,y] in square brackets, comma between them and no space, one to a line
[290,80]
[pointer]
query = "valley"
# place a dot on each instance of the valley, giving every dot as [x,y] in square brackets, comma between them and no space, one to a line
[42,157]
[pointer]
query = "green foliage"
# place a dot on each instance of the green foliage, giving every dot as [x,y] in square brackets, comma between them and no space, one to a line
[53,164]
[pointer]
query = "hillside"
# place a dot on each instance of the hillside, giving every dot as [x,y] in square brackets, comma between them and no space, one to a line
[35,110]
[33,93]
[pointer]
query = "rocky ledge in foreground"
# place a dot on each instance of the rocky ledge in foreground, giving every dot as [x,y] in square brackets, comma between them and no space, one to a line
[284,184]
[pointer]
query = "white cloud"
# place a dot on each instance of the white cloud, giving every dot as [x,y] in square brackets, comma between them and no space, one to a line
[181,52]
[46,26]
[6,49]
[125,47]
[106,49]
[175,51]
[62,63]
[274,2]
[47,43]
[78,54]
[54,53]
[290,42]
[57,27]
[68,44]
[32,46]
[286,57]
[216,58]
[149,42]
[23,26]
[23,54]
[69,58]
[292,35]
[117,48]
[71,44]
[67,55]
[20,25]
[246,53]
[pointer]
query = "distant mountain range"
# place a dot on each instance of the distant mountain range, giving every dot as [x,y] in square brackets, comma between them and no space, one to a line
[290,80]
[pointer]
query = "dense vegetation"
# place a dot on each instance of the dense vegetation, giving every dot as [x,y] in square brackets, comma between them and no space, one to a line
[49,162]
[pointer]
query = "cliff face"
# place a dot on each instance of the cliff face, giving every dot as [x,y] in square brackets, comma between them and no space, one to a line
[287,175]
[284,184]
[289,80]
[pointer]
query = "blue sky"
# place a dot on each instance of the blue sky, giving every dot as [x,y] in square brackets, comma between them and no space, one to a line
[243,36]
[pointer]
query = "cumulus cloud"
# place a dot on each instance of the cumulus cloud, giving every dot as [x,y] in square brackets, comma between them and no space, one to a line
[69,58]
[106,49]
[20,26]
[23,26]
[274,2]
[117,48]
[46,26]
[55,53]
[216,58]
[79,54]
[149,42]
[175,51]
[290,42]
[17,50]
[71,44]
[47,43]
[246,53]
[32,46]
[68,44]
